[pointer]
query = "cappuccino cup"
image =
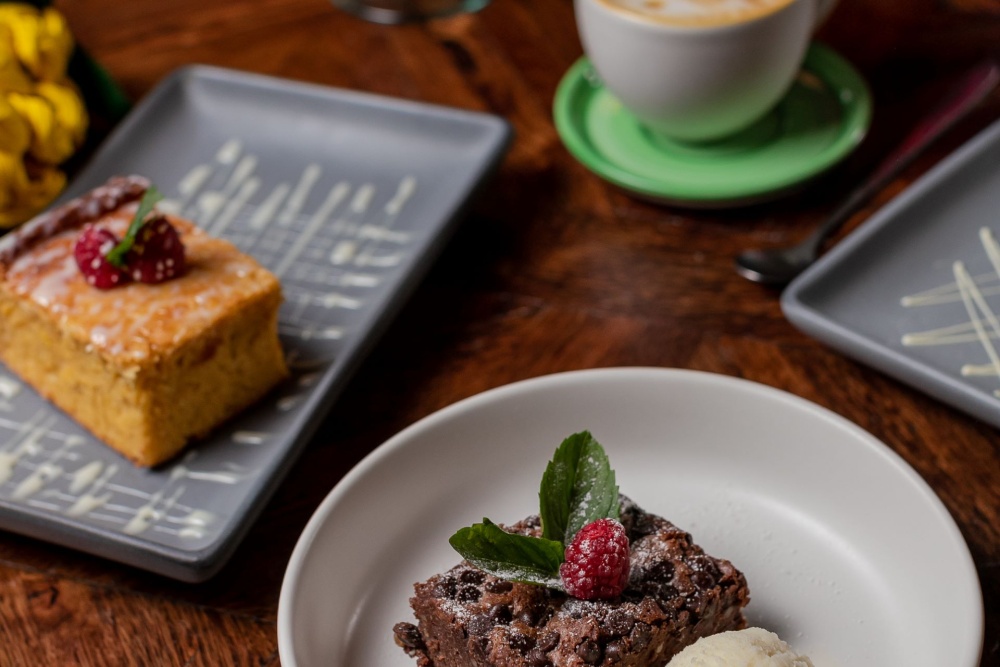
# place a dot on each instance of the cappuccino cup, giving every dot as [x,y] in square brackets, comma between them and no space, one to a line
[698,70]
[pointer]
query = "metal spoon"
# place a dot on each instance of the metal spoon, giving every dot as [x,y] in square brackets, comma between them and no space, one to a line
[777,266]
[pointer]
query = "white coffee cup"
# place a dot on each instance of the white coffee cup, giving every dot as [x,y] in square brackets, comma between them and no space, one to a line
[698,77]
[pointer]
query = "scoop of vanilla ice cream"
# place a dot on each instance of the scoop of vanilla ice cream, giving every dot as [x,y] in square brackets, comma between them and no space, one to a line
[753,647]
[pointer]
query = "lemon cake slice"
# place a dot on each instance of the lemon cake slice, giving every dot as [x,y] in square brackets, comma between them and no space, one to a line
[149,364]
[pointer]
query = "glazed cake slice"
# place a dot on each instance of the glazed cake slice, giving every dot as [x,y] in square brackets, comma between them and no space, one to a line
[145,367]
[676,595]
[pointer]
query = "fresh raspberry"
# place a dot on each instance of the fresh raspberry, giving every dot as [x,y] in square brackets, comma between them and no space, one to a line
[157,254]
[90,252]
[597,561]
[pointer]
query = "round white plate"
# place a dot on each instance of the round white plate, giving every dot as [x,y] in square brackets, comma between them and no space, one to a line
[849,555]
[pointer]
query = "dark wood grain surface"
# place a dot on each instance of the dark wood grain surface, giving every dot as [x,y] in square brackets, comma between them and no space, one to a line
[552,270]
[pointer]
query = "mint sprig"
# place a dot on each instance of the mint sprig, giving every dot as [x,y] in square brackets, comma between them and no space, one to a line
[116,256]
[578,488]
[529,560]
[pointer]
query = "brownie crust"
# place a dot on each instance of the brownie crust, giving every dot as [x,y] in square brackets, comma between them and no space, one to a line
[676,595]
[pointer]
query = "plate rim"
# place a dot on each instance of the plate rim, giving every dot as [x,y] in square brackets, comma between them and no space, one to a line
[328,505]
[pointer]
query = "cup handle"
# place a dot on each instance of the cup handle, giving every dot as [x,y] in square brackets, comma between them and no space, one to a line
[823,9]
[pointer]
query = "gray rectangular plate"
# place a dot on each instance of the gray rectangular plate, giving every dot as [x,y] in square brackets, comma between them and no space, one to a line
[915,291]
[346,196]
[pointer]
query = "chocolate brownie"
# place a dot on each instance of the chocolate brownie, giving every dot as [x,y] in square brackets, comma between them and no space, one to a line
[676,595]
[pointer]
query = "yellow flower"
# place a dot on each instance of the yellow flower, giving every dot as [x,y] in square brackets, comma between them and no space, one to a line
[13,76]
[71,114]
[57,118]
[43,120]
[42,39]
[24,194]
[13,179]
[15,133]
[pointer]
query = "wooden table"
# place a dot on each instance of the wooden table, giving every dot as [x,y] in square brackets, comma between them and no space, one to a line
[553,270]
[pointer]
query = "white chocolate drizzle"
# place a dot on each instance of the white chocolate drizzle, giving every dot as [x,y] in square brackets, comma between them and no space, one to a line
[234,206]
[229,151]
[982,326]
[150,512]
[250,437]
[269,208]
[299,195]
[9,389]
[44,473]
[333,200]
[288,403]
[95,476]
[25,442]
[194,524]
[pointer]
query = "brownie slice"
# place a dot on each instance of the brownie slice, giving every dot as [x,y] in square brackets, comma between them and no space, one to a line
[676,595]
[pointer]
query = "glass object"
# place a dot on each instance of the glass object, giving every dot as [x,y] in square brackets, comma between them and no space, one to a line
[405,11]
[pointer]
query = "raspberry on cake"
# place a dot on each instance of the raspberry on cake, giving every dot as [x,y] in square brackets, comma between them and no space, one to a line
[592,580]
[147,355]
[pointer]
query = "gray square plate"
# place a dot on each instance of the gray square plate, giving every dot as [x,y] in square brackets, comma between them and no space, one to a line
[347,197]
[915,291]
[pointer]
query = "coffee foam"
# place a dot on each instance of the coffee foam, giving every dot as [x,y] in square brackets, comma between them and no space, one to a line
[697,13]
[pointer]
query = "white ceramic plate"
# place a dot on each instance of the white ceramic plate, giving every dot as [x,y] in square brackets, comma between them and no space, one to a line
[849,555]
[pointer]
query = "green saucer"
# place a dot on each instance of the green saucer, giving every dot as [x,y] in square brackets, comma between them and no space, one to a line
[820,121]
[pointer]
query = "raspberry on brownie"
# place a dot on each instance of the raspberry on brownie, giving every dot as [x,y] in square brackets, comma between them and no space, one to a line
[675,595]
[597,561]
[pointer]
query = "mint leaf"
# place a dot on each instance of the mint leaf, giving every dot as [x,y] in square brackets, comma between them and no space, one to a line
[116,256]
[530,560]
[578,487]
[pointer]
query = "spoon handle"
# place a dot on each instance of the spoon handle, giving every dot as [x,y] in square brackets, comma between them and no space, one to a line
[970,91]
